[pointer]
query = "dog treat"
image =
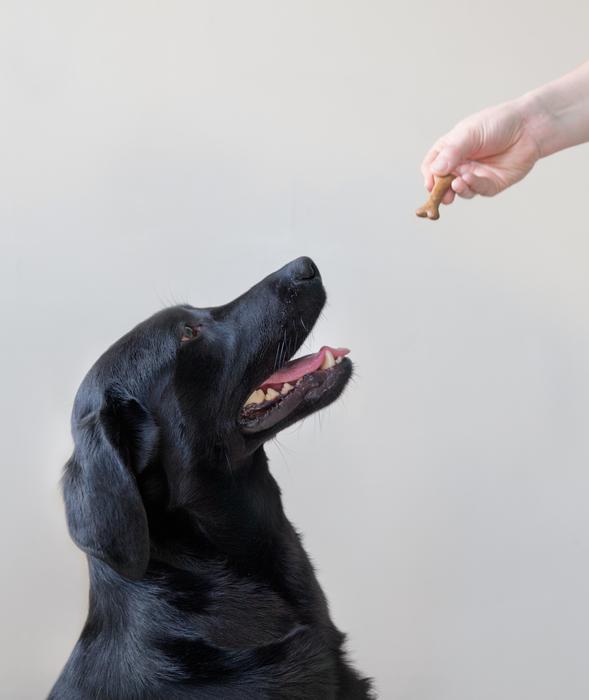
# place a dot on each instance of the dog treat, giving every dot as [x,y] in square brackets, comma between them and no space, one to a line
[431,209]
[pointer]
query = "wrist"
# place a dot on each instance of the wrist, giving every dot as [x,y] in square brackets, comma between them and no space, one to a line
[557,114]
[539,121]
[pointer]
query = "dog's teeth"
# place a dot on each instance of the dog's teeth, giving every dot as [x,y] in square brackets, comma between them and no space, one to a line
[338,360]
[286,387]
[328,360]
[256,398]
[271,394]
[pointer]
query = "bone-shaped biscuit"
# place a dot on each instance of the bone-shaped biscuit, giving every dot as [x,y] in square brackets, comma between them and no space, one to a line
[431,208]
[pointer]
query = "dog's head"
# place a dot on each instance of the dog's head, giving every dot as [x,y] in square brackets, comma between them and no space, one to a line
[191,389]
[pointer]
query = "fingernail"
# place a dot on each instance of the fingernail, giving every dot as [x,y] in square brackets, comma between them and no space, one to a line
[440,165]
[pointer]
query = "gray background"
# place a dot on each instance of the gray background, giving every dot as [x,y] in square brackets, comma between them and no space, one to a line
[154,152]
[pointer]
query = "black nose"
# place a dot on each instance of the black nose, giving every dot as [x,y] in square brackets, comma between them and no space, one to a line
[303,270]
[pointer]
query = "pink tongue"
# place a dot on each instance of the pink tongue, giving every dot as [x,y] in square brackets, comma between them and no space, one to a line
[296,369]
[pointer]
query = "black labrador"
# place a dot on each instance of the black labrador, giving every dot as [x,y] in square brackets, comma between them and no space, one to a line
[199,585]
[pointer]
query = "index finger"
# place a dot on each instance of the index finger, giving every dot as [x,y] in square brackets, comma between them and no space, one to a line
[428,177]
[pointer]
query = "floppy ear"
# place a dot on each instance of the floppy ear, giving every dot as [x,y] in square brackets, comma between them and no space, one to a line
[105,512]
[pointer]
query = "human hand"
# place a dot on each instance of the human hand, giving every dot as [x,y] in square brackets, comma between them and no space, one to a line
[488,151]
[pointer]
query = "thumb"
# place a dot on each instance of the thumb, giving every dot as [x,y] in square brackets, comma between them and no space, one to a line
[448,159]
[456,147]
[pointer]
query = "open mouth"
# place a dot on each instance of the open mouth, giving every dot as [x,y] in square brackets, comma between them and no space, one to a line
[305,383]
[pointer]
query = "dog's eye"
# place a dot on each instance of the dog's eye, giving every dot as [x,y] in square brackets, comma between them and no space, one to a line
[189,332]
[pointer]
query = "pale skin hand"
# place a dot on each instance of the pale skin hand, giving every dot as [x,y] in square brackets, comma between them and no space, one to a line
[493,149]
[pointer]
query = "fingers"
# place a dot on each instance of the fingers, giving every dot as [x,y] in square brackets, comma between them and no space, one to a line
[449,152]
[449,156]
[462,189]
[447,160]
[428,178]
[469,152]
[448,197]
[479,184]
[468,186]
[459,186]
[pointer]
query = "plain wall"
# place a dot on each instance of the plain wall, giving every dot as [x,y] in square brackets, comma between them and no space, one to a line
[155,152]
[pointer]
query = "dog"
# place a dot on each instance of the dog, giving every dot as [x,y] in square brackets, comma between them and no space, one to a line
[199,585]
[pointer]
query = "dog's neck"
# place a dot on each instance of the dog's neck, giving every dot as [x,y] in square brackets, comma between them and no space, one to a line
[236,522]
[226,570]
[230,509]
[238,504]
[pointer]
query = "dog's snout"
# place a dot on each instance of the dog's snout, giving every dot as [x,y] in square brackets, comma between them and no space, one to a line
[303,270]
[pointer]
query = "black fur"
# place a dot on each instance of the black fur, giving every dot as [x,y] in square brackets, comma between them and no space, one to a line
[199,585]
